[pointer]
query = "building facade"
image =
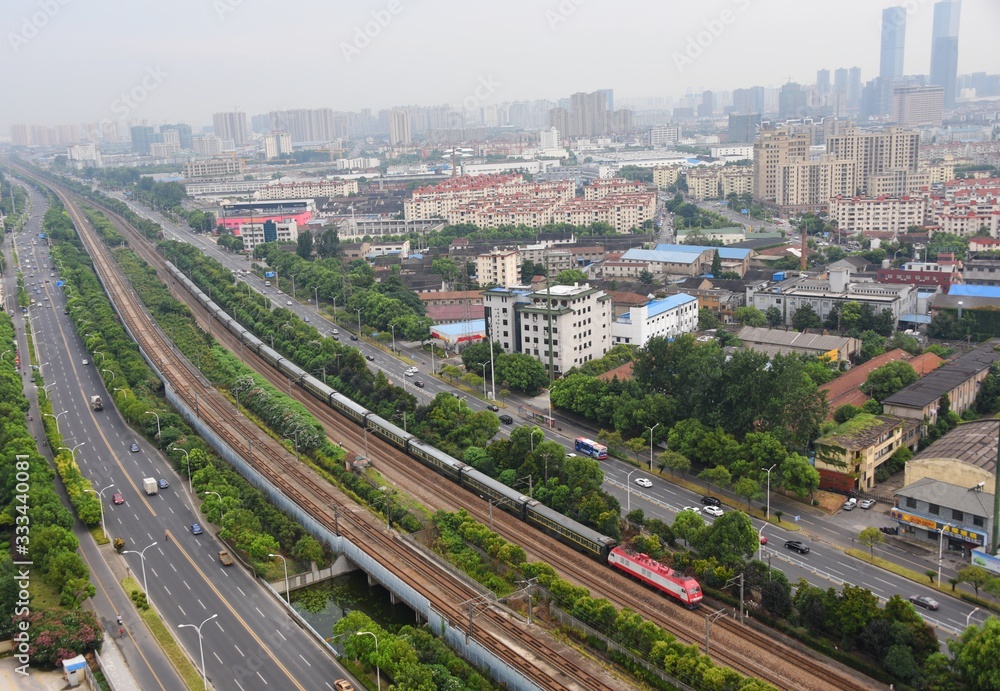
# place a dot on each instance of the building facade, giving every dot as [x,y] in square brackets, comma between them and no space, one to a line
[667,317]
[581,326]
[499,268]
[848,456]
[254,234]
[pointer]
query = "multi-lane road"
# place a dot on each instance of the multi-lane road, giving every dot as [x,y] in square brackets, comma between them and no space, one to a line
[825,565]
[251,642]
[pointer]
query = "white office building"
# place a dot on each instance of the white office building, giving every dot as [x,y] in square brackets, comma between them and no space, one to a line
[254,234]
[667,317]
[581,325]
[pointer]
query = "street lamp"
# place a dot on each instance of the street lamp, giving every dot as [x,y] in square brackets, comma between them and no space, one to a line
[393,327]
[222,511]
[378,673]
[100,495]
[187,458]
[359,320]
[142,557]
[968,616]
[651,445]
[485,394]
[150,412]
[940,546]
[285,562]
[56,416]
[628,491]
[769,491]
[201,647]
[760,544]
[73,450]
[124,392]
[4,353]
[98,352]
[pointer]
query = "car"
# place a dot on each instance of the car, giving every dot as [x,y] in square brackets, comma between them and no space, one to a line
[370,358]
[711,501]
[924,601]
[196,529]
[162,484]
[305,319]
[343,685]
[408,373]
[336,332]
[507,419]
[867,503]
[763,540]
[418,384]
[643,482]
[713,511]
[797,546]
[695,509]
[117,498]
[571,455]
[134,448]
[850,504]
[494,408]
[64,312]
[85,361]
[353,337]
[288,302]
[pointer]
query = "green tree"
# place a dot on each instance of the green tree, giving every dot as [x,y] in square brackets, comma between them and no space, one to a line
[856,606]
[773,316]
[798,475]
[328,243]
[845,413]
[977,655]
[637,445]
[750,316]
[886,380]
[730,539]
[805,317]
[716,263]
[645,277]
[869,537]
[688,525]
[568,277]
[305,245]
[674,461]
[522,372]
[976,576]
[748,488]
[718,476]
[446,267]
[707,320]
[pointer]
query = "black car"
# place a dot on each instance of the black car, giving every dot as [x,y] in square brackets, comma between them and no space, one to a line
[353,337]
[492,407]
[419,384]
[370,358]
[924,601]
[507,419]
[710,501]
[134,448]
[797,546]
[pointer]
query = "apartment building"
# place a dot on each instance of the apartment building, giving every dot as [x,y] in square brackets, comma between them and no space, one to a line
[667,317]
[581,325]
[214,167]
[277,144]
[773,150]
[254,234]
[717,183]
[503,321]
[499,268]
[876,151]
[918,106]
[878,214]
[607,187]
[665,176]
[848,456]
[232,126]
[308,189]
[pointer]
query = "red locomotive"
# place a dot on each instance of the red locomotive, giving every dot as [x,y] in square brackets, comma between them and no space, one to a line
[678,586]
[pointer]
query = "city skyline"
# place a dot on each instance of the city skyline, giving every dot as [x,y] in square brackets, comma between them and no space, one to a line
[207,57]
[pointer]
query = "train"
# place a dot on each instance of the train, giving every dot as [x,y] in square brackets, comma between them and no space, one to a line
[684,589]
[566,530]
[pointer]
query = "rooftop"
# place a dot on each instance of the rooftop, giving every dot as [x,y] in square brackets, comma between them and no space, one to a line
[962,290]
[792,339]
[461,328]
[860,432]
[950,496]
[736,253]
[656,307]
[660,256]
[622,373]
[941,381]
[974,443]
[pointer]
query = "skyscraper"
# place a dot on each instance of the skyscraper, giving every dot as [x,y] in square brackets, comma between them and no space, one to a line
[823,82]
[893,42]
[707,105]
[231,126]
[143,137]
[944,48]
[399,127]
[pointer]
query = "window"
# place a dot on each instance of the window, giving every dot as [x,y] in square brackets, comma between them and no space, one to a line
[934,509]
[978,521]
[911,503]
[957,515]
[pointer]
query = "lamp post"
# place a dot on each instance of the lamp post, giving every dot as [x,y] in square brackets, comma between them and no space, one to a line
[359,320]
[150,412]
[73,450]
[187,458]
[485,394]
[56,416]
[296,443]
[98,352]
[940,549]
[378,673]
[4,353]
[100,495]
[201,647]
[124,392]
[393,327]
[142,557]
[651,445]
[769,491]
[968,617]
[628,491]
[760,545]
[285,562]
[109,372]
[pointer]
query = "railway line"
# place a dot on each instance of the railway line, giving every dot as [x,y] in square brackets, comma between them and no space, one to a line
[538,657]
[737,646]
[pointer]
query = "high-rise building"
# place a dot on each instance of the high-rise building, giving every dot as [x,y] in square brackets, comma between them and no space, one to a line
[707,106]
[876,152]
[743,128]
[183,134]
[277,144]
[664,135]
[549,139]
[399,127]
[944,48]
[791,101]
[773,150]
[748,100]
[918,106]
[232,126]
[823,82]
[893,42]
[143,137]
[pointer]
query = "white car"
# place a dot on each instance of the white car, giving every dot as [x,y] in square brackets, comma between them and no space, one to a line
[644,482]
[713,511]
[695,509]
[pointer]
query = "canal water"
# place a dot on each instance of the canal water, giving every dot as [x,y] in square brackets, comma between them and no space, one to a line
[326,603]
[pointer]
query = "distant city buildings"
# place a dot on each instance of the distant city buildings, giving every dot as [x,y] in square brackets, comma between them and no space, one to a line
[918,106]
[893,43]
[589,115]
[307,189]
[231,126]
[277,144]
[211,168]
[399,128]
[944,48]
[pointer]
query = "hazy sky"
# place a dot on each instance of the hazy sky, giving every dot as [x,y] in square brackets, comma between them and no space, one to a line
[71,61]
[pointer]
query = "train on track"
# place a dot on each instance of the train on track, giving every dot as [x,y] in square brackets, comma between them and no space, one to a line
[566,530]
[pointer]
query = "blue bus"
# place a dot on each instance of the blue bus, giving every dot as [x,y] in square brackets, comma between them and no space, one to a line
[589,447]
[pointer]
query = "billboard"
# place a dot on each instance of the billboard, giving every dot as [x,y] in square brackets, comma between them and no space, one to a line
[269,274]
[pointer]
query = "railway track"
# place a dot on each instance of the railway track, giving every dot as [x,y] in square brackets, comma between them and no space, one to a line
[538,657]
[739,647]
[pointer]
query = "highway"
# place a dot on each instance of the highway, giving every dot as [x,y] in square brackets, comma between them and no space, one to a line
[826,565]
[251,642]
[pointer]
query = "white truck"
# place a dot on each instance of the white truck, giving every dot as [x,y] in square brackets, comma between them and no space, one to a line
[149,484]
[96,403]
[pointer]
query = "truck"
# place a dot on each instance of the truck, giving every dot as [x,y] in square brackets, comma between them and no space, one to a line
[96,403]
[225,558]
[149,484]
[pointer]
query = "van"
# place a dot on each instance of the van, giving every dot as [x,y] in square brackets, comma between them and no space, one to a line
[267,283]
